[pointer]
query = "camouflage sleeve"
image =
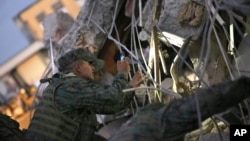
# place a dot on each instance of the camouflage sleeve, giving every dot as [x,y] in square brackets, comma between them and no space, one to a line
[101,99]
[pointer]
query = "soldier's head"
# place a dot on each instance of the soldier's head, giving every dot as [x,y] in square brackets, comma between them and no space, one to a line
[81,62]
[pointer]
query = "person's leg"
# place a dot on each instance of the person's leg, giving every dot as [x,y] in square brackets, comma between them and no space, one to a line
[97,137]
[181,115]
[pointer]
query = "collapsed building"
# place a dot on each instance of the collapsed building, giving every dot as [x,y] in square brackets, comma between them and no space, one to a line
[180,46]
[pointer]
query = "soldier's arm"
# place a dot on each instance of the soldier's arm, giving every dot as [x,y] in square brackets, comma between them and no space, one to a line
[105,99]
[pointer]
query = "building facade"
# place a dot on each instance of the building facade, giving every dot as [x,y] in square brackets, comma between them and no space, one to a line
[29,20]
[27,67]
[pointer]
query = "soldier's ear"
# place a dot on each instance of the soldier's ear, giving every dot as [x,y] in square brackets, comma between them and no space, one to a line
[79,66]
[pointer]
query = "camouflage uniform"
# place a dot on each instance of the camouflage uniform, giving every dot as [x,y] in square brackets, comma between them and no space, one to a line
[70,104]
[159,122]
[9,129]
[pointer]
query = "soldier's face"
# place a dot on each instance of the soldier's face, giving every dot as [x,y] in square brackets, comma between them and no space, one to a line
[86,70]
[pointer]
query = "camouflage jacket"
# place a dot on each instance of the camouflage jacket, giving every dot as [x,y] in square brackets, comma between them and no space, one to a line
[160,122]
[77,97]
[9,129]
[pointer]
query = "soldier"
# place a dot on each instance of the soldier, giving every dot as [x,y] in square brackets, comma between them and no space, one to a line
[159,122]
[72,99]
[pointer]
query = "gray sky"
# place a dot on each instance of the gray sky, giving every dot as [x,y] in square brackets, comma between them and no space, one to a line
[12,40]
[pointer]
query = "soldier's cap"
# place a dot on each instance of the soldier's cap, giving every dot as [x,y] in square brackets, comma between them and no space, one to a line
[79,54]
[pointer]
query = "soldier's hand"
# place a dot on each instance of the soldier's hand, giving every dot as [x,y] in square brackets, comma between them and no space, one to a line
[136,79]
[123,66]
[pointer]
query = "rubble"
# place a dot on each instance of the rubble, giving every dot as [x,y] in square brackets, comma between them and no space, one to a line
[208,49]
